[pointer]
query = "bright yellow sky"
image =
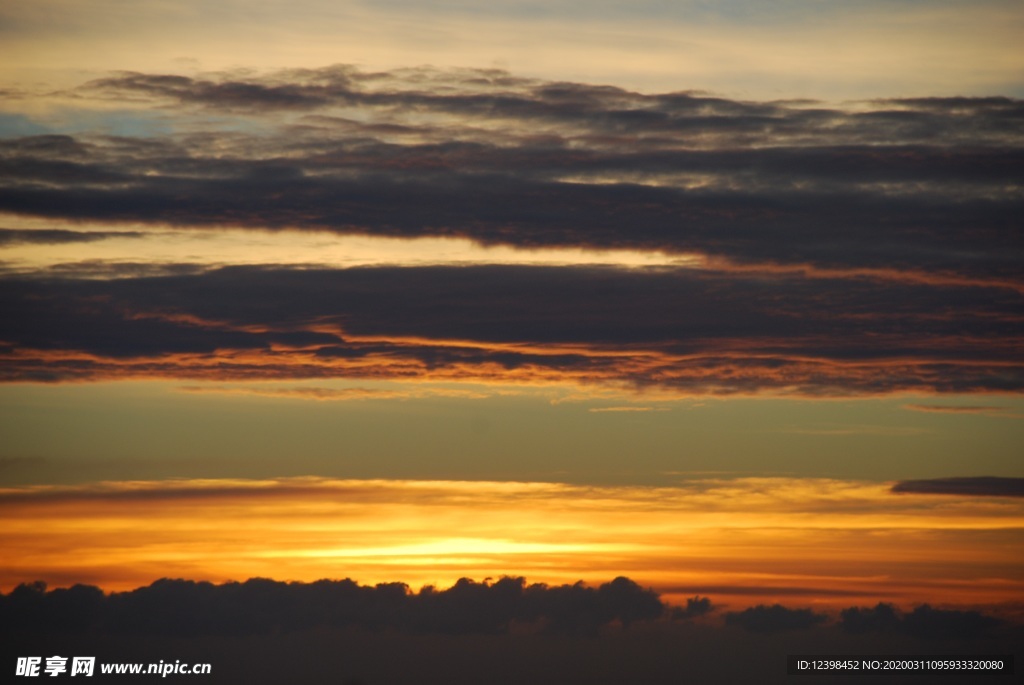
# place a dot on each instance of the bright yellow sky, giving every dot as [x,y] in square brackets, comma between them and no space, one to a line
[826,542]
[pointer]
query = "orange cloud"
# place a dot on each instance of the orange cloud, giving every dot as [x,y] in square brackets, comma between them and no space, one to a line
[620,372]
[910,276]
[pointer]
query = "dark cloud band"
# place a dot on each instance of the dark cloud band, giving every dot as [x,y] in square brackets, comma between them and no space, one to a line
[871,249]
[686,329]
[925,185]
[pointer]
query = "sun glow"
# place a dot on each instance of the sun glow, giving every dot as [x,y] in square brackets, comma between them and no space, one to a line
[822,540]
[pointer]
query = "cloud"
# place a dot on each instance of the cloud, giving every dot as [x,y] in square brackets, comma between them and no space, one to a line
[987,410]
[169,491]
[263,631]
[768,590]
[108,268]
[923,622]
[682,330]
[829,251]
[918,187]
[881,618]
[855,430]
[186,608]
[29,607]
[979,486]
[599,410]
[775,618]
[944,624]
[260,606]
[695,607]
[53,236]
[335,394]
[226,94]
[451,196]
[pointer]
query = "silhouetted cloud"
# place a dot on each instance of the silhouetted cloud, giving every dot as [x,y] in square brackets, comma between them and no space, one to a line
[775,618]
[695,607]
[979,486]
[185,608]
[923,622]
[943,624]
[881,618]
[31,608]
[189,608]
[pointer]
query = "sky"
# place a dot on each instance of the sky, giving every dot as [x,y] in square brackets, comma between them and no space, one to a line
[723,297]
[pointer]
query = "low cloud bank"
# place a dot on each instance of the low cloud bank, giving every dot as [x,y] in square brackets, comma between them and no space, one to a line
[259,606]
[923,622]
[188,608]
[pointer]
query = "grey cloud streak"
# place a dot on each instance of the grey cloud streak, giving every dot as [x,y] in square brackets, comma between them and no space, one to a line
[924,185]
[54,236]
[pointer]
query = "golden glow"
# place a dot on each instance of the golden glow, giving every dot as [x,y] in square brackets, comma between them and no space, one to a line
[212,248]
[456,548]
[824,541]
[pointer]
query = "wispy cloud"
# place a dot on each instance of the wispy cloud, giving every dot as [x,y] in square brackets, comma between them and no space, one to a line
[894,431]
[627,409]
[986,410]
[334,394]
[980,486]
[12,236]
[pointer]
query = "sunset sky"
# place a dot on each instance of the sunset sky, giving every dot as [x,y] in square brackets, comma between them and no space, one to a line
[725,297]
